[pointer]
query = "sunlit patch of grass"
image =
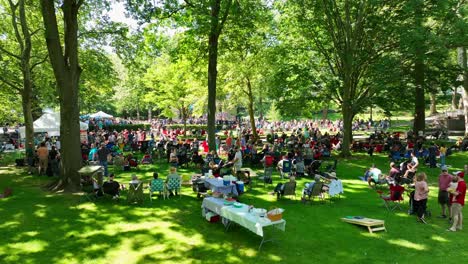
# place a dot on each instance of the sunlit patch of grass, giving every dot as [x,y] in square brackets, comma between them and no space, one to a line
[439,238]
[407,244]
[32,246]
[63,230]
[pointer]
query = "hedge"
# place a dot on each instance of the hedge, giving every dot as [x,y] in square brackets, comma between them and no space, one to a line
[192,127]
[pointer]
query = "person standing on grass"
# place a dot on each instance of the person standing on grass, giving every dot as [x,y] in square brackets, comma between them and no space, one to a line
[444,182]
[443,153]
[458,203]
[420,196]
[43,155]
[102,157]
[237,161]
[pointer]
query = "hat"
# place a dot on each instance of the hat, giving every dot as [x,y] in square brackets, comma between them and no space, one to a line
[444,168]
[461,174]
[332,174]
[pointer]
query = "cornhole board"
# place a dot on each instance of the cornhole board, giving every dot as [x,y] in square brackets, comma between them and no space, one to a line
[373,225]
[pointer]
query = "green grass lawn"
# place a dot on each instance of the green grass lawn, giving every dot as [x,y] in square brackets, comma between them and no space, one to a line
[42,227]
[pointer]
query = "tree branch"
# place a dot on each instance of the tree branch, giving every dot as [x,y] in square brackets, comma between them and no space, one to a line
[12,85]
[9,53]
[225,16]
[92,32]
[14,23]
[39,62]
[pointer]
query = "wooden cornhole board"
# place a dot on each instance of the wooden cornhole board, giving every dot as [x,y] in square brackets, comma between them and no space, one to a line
[373,225]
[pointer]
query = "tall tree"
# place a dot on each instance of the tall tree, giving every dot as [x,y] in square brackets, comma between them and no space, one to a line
[350,36]
[203,19]
[22,56]
[244,61]
[463,60]
[174,87]
[64,61]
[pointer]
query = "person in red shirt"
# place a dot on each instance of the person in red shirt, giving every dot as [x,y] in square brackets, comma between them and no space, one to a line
[444,182]
[458,203]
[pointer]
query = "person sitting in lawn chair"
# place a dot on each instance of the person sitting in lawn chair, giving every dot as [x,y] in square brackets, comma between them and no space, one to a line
[156,184]
[146,159]
[284,166]
[173,181]
[111,187]
[135,180]
[279,189]
[173,160]
[307,191]
[374,176]
[411,169]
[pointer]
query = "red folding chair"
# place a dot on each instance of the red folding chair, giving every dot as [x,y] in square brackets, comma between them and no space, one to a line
[394,198]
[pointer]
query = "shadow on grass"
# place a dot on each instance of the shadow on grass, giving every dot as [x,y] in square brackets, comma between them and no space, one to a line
[40,227]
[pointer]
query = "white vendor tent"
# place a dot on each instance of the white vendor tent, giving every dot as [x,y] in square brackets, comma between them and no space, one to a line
[101,114]
[50,123]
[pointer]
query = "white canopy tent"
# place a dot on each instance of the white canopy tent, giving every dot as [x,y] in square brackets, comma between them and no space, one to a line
[50,123]
[101,114]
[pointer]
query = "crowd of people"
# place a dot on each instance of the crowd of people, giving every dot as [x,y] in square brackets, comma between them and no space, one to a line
[405,176]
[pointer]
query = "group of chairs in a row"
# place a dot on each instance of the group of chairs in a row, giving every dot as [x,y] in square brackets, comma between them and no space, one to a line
[135,192]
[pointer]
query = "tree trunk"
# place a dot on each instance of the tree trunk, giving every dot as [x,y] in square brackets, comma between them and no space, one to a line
[70,135]
[346,110]
[419,104]
[251,109]
[325,113]
[150,114]
[67,74]
[260,107]
[419,122]
[433,108]
[463,61]
[184,120]
[26,93]
[454,99]
[138,112]
[213,72]
[28,117]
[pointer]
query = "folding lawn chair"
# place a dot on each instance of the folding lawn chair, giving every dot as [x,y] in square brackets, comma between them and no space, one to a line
[286,169]
[89,194]
[174,185]
[394,198]
[267,176]
[315,192]
[157,186]
[135,193]
[289,189]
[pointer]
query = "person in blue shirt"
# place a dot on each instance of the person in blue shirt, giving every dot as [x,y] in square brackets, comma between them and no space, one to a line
[92,153]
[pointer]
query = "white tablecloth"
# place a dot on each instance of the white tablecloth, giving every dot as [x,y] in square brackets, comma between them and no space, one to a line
[217,185]
[241,215]
[213,204]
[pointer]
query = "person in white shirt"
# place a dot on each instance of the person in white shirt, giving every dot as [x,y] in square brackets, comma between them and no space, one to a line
[237,160]
[57,144]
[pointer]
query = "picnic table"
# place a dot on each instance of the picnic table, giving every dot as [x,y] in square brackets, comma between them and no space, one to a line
[217,185]
[242,217]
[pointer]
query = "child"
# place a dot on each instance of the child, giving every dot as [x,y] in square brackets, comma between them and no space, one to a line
[453,186]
